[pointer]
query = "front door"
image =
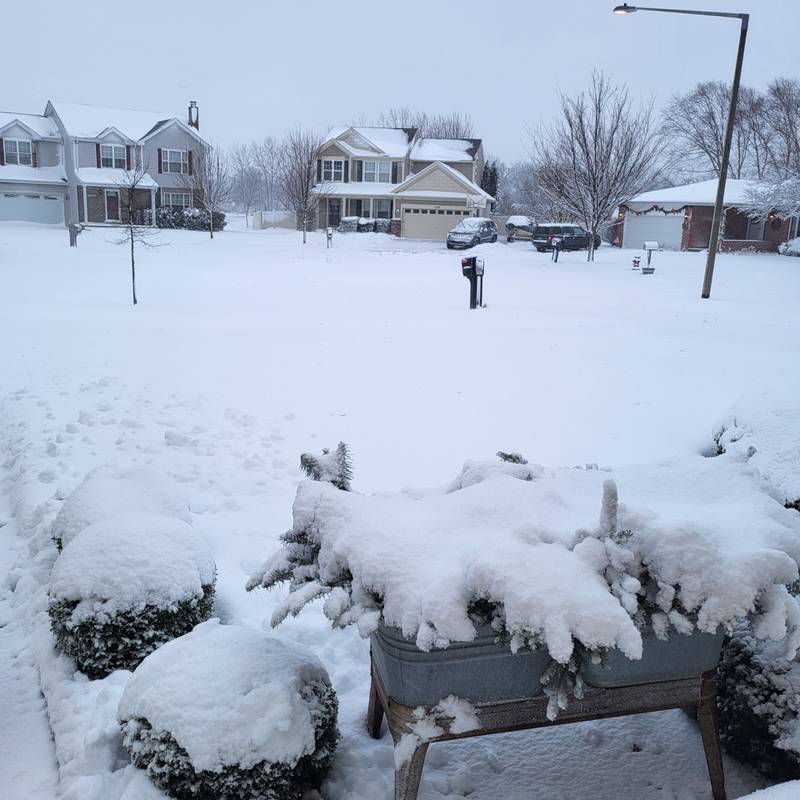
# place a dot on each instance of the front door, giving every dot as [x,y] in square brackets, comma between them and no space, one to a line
[334,212]
[112,205]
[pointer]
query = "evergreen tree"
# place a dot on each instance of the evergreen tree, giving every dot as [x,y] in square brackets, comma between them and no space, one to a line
[489,178]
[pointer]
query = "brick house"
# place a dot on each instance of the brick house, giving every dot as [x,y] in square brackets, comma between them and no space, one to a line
[69,163]
[679,218]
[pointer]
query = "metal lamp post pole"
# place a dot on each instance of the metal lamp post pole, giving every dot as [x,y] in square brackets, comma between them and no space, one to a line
[716,222]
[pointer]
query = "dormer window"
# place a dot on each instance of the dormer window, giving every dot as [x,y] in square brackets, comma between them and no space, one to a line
[332,170]
[175,161]
[112,156]
[18,151]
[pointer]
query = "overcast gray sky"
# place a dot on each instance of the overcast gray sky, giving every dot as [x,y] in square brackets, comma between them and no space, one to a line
[258,68]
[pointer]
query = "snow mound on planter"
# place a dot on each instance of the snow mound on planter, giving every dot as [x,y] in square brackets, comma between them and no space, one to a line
[768,435]
[109,491]
[229,696]
[130,561]
[715,543]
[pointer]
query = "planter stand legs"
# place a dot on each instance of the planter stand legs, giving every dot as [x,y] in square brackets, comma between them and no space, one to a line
[694,693]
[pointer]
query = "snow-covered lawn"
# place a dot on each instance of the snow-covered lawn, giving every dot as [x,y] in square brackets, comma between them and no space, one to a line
[249,349]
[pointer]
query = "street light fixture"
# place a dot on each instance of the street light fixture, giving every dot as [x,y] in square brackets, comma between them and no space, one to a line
[726,148]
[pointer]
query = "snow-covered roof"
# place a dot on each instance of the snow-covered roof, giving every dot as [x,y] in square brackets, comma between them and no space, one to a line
[17,173]
[356,189]
[391,142]
[105,176]
[89,122]
[703,193]
[445,149]
[43,127]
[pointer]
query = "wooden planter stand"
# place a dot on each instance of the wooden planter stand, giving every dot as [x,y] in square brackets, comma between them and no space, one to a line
[698,693]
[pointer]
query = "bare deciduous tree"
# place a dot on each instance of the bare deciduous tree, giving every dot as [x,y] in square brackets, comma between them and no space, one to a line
[455,125]
[298,176]
[135,207]
[245,178]
[209,181]
[596,155]
[266,155]
[782,114]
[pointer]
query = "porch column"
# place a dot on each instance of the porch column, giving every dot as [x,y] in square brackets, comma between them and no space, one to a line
[153,207]
[85,204]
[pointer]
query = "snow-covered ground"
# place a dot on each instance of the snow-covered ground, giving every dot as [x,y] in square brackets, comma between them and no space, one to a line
[247,350]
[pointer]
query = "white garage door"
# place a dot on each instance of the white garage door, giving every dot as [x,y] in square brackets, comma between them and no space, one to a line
[429,223]
[666,229]
[30,207]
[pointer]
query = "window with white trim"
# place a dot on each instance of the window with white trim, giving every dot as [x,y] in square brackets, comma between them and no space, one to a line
[18,151]
[369,171]
[175,161]
[332,170]
[385,171]
[382,209]
[112,156]
[176,199]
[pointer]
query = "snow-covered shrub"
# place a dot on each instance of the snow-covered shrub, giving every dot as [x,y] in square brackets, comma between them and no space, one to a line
[383,226]
[783,791]
[228,713]
[790,248]
[192,219]
[764,431]
[758,701]
[348,225]
[124,586]
[109,491]
[366,225]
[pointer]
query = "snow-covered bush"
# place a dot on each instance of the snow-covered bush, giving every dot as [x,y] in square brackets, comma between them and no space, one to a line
[228,713]
[764,431]
[366,225]
[348,225]
[790,248]
[758,701]
[383,226]
[697,544]
[124,586]
[783,791]
[109,491]
[192,219]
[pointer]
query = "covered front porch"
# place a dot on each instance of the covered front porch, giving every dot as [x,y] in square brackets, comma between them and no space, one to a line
[103,198]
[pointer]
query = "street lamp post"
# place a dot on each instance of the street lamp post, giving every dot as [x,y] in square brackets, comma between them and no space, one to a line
[716,222]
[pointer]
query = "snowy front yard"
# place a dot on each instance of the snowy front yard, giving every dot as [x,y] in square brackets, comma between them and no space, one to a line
[248,350]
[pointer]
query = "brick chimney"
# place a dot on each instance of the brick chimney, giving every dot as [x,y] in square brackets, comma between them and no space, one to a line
[194,115]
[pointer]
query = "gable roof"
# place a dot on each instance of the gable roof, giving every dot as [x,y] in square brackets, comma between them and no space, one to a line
[39,127]
[390,142]
[92,122]
[445,150]
[469,186]
[703,193]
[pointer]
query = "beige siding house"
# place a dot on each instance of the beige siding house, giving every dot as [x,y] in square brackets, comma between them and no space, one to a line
[424,186]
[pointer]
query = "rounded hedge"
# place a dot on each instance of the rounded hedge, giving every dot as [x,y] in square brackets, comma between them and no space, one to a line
[124,586]
[227,713]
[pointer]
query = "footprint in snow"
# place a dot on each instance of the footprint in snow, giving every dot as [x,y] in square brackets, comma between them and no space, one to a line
[179,439]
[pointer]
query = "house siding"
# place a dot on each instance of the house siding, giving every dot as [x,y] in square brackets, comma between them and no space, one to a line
[48,154]
[465,168]
[437,181]
[173,138]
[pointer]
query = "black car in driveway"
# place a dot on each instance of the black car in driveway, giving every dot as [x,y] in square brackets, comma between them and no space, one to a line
[471,231]
[572,237]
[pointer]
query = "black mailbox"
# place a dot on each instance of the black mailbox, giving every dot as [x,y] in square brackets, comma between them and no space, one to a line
[472,270]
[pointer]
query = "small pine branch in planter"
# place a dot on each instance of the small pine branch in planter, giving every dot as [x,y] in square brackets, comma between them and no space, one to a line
[335,467]
[511,458]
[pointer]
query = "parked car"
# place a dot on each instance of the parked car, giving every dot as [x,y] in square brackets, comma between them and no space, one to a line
[572,237]
[519,227]
[471,231]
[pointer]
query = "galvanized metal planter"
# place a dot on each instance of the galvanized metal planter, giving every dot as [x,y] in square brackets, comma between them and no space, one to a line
[679,657]
[480,671]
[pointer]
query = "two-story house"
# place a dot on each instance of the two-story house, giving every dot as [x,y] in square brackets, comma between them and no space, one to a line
[70,163]
[423,185]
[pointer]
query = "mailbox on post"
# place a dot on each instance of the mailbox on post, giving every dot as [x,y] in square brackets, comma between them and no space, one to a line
[472,270]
